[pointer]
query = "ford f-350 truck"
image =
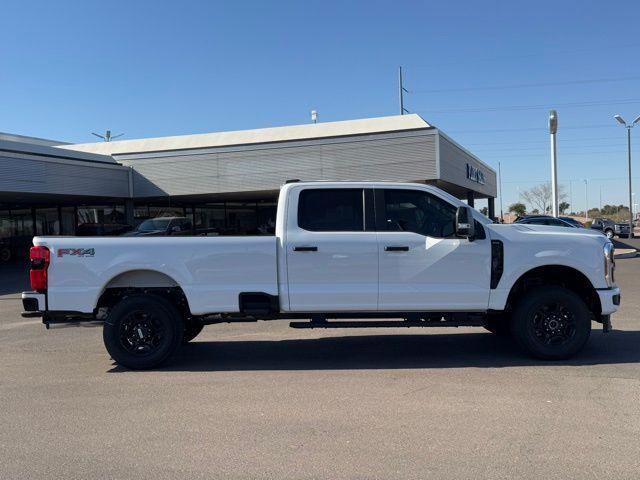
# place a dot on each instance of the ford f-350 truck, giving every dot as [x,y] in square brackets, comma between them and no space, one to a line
[344,254]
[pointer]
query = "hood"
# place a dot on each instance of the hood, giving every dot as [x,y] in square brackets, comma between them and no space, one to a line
[519,231]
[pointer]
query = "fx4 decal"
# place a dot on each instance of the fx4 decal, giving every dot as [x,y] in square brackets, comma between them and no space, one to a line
[77,252]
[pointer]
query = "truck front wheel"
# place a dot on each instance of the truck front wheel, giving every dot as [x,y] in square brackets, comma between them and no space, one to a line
[551,323]
[142,331]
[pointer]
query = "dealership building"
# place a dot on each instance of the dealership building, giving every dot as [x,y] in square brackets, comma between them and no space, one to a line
[225,183]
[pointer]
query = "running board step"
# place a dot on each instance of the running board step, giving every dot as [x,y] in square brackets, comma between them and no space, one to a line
[385,324]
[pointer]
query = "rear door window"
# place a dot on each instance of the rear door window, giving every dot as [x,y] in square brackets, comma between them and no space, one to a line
[331,210]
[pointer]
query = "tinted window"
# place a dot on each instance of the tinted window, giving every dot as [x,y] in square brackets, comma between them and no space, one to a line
[538,221]
[557,223]
[331,210]
[418,212]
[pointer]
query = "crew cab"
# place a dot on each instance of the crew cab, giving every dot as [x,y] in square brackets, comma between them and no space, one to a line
[344,255]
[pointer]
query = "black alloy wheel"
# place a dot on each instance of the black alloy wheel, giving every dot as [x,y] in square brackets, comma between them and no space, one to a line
[551,323]
[143,331]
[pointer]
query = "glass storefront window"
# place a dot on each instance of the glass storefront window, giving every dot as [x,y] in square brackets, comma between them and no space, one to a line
[105,220]
[47,221]
[22,232]
[140,213]
[241,218]
[267,218]
[112,214]
[6,226]
[210,220]
[68,226]
[155,212]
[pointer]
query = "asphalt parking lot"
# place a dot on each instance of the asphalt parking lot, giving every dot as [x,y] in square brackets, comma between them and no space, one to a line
[265,401]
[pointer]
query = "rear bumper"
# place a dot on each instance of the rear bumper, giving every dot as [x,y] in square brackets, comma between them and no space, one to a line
[33,304]
[609,300]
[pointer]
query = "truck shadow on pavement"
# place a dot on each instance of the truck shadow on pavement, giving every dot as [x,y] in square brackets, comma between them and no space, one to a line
[479,350]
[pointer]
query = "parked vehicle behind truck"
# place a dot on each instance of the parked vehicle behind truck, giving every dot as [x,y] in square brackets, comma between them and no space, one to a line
[610,228]
[348,254]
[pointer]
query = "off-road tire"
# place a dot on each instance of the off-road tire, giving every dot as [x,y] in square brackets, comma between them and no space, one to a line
[551,323]
[142,331]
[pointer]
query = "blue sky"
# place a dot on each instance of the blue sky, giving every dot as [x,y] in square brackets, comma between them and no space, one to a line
[165,68]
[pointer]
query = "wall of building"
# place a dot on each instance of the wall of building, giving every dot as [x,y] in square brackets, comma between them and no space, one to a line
[397,156]
[45,170]
[453,168]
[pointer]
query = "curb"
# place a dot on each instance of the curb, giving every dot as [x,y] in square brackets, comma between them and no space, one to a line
[626,253]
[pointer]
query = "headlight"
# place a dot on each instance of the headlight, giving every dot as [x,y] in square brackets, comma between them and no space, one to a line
[609,263]
[616,228]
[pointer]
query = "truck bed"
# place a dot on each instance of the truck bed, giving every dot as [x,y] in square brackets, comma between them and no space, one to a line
[212,271]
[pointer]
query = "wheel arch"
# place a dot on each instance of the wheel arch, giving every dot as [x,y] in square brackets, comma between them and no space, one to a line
[563,275]
[138,281]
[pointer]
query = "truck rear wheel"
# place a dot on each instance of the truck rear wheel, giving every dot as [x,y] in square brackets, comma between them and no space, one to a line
[551,323]
[142,331]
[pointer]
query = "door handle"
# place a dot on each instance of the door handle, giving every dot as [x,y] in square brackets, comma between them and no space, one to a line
[393,248]
[305,249]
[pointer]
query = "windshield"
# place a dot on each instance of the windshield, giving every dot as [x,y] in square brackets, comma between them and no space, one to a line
[153,224]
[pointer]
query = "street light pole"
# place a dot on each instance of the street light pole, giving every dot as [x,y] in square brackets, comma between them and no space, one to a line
[553,129]
[500,186]
[629,127]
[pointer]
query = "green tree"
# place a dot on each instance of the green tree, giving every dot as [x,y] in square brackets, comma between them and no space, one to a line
[563,207]
[518,208]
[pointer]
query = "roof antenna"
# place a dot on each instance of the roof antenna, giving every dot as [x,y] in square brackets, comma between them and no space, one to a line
[107,136]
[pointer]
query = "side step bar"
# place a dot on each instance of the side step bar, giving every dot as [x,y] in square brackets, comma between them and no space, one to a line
[386,324]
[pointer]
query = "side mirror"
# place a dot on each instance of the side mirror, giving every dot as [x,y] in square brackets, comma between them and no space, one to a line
[465,224]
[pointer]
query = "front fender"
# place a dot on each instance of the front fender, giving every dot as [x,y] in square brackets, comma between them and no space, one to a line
[589,263]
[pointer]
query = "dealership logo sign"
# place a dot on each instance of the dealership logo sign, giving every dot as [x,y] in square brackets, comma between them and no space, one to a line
[475,174]
[76,252]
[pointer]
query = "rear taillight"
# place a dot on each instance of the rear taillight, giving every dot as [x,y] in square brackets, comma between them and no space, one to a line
[39,257]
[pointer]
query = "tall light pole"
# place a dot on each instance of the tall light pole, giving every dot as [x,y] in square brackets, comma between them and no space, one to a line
[629,127]
[553,129]
[500,186]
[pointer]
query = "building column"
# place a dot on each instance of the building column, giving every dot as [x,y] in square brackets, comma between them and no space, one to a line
[128,212]
[470,198]
[491,207]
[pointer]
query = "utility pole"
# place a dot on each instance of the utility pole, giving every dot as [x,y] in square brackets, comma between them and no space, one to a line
[500,186]
[571,206]
[600,197]
[401,92]
[553,129]
[629,127]
[107,137]
[586,201]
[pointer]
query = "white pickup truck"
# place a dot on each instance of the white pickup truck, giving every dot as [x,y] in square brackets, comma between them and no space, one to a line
[344,254]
